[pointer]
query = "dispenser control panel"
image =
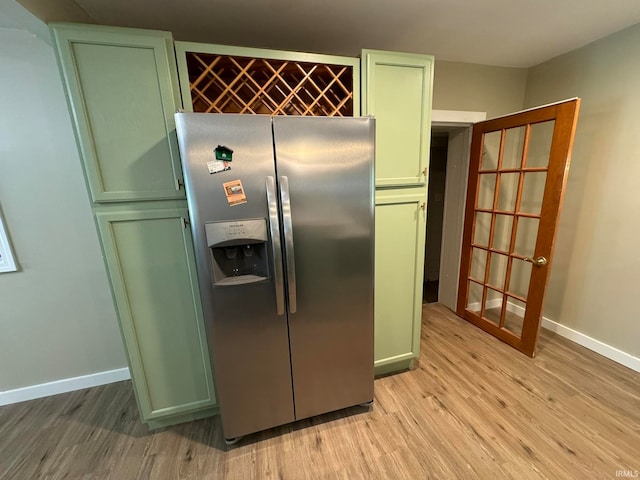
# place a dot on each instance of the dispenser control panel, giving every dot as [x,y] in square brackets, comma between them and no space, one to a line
[236,231]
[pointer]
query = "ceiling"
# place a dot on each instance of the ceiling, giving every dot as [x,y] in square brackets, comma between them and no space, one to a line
[514,33]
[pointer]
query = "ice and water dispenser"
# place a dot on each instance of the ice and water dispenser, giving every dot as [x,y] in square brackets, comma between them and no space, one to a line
[239,251]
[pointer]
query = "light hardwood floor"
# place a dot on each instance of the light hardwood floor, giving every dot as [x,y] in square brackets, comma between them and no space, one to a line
[473,408]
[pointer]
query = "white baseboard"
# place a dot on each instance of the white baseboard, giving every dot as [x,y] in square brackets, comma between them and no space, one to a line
[597,346]
[475,307]
[517,309]
[102,378]
[63,386]
[586,341]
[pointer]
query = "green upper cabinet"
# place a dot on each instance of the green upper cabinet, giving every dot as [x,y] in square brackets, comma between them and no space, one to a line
[396,89]
[108,74]
[149,255]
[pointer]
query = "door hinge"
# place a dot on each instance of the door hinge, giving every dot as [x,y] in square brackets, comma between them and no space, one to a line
[424,206]
[185,222]
[424,171]
[179,184]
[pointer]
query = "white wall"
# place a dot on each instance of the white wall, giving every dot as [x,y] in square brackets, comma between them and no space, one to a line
[479,88]
[57,318]
[595,278]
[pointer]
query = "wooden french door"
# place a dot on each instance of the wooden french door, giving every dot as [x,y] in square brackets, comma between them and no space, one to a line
[517,175]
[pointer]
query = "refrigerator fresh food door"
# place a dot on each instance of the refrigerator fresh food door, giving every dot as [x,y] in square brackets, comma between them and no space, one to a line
[325,180]
[230,180]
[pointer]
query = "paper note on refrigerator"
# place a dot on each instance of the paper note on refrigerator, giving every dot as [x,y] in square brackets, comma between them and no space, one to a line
[234,192]
[216,166]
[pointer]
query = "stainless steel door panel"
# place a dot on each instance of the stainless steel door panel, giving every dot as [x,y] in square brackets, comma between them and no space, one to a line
[250,138]
[251,359]
[329,165]
[248,339]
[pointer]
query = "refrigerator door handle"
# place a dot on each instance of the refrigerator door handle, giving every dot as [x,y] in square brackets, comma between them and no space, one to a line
[288,242]
[274,230]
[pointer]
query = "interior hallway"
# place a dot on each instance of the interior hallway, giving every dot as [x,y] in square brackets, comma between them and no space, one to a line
[473,408]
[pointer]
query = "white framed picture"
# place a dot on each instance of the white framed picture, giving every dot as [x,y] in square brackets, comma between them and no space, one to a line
[7,262]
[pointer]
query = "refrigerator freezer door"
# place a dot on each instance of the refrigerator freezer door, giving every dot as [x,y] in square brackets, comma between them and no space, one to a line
[328,165]
[248,340]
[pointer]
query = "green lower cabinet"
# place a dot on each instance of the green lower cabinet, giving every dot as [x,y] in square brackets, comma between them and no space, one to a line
[150,260]
[399,256]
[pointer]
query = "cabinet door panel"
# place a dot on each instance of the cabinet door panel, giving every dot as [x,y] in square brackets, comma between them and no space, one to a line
[399,252]
[397,91]
[399,142]
[122,90]
[150,261]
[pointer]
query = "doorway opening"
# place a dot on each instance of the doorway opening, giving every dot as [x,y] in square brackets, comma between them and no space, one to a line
[447,191]
[435,213]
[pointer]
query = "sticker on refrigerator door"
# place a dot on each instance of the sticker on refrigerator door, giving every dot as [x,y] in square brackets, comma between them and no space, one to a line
[223,153]
[234,192]
[217,166]
[222,163]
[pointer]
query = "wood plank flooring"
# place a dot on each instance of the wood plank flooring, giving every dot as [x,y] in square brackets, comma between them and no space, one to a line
[472,408]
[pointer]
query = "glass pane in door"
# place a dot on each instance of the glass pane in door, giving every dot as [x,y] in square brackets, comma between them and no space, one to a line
[498,270]
[502,233]
[539,148]
[474,300]
[514,316]
[519,278]
[491,150]
[478,264]
[508,192]
[486,189]
[481,229]
[526,236]
[513,146]
[533,192]
[493,306]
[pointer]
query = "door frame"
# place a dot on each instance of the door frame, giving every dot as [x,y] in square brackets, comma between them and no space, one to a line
[460,123]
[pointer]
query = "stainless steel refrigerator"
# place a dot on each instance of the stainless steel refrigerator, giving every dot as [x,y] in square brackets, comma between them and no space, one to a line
[282,215]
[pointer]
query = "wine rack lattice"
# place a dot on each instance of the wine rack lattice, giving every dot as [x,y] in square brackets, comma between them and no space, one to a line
[231,84]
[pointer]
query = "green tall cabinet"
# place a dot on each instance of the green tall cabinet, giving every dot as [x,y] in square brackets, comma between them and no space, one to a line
[397,89]
[122,90]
